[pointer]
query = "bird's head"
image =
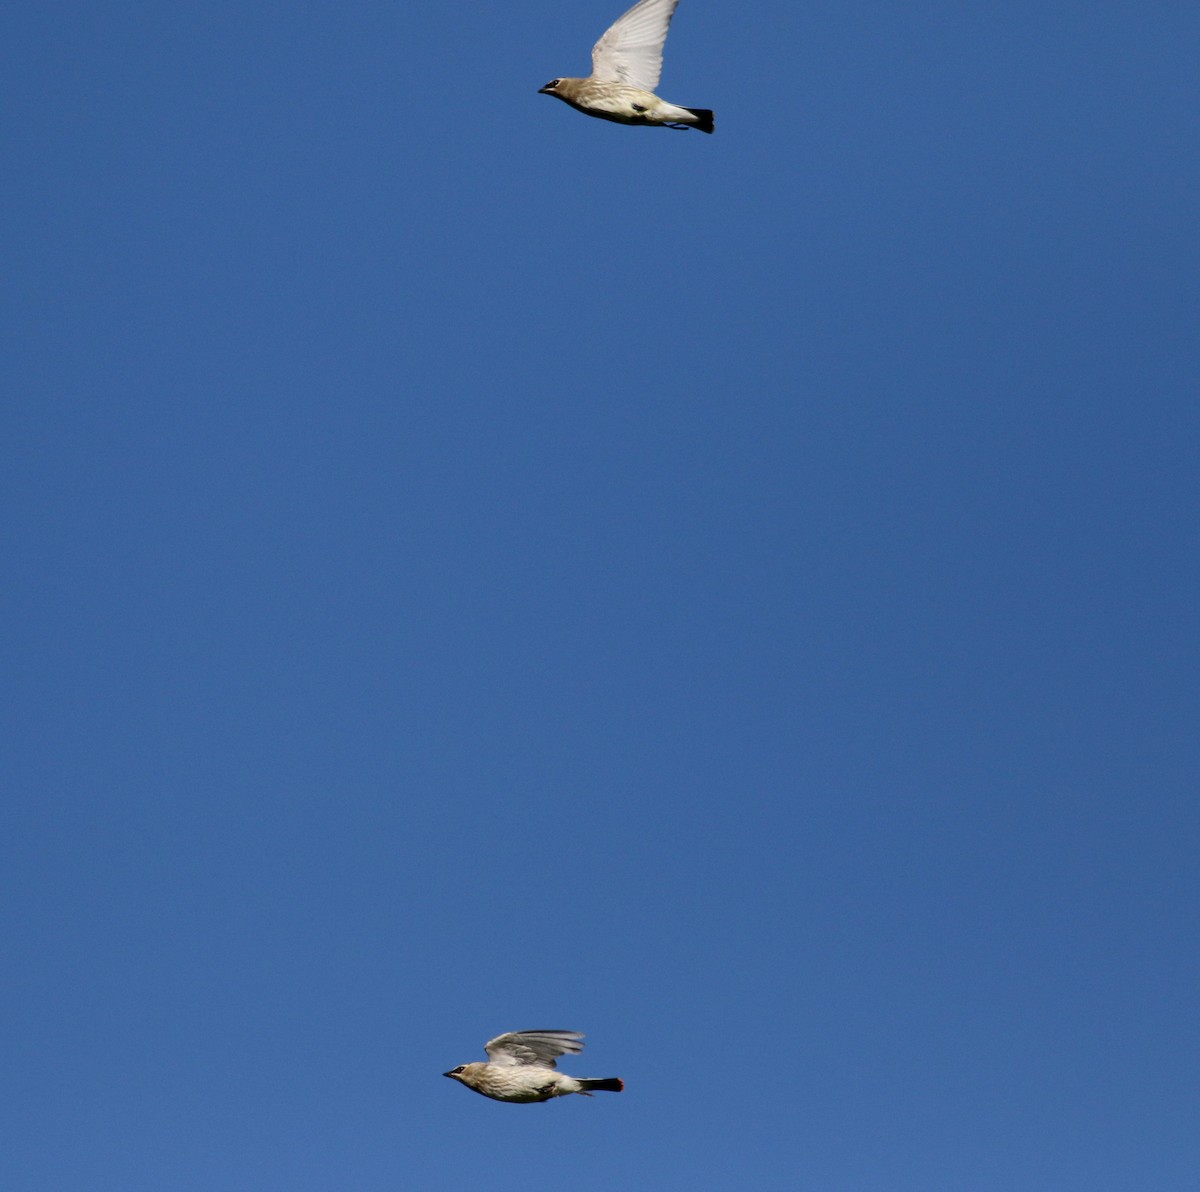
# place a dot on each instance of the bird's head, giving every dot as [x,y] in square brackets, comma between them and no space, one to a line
[467,1074]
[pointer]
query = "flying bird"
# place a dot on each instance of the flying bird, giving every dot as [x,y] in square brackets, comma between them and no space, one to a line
[521,1068]
[626,67]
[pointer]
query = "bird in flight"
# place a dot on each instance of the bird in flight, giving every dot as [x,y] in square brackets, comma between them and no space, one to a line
[626,67]
[521,1068]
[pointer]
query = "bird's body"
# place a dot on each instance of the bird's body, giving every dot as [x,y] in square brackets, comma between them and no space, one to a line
[626,67]
[522,1068]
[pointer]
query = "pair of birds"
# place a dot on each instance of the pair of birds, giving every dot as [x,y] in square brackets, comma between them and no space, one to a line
[521,1068]
[626,67]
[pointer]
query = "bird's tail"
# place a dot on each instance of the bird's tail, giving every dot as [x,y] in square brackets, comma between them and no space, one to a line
[610,1084]
[704,118]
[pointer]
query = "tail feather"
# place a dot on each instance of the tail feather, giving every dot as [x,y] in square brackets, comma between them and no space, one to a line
[609,1084]
[704,119]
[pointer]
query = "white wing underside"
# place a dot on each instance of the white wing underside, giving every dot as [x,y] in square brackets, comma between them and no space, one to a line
[631,51]
[539,1048]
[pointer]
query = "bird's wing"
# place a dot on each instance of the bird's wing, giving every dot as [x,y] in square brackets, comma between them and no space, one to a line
[539,1048]
[631,51]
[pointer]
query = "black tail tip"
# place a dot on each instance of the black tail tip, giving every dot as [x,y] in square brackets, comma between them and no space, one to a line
[704,119]
[610,1084]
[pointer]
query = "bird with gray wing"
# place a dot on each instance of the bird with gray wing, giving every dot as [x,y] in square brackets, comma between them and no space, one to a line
[626,67]
[521,1068]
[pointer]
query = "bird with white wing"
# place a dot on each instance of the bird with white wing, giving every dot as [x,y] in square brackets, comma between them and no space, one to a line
[626,67]
[521,1068]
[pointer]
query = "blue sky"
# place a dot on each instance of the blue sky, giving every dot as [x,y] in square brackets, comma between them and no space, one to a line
[472,567]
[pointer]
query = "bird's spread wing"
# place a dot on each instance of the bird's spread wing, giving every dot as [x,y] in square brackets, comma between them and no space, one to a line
[631,51]
[539,1048]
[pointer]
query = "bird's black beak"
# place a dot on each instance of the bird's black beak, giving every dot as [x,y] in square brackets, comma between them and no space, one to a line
[544,90]
[450,1074]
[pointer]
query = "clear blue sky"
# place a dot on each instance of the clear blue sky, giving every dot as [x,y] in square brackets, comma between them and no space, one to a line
[470,567]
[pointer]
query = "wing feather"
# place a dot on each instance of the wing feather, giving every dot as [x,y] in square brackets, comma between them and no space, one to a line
[631,49]
[537,1048]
